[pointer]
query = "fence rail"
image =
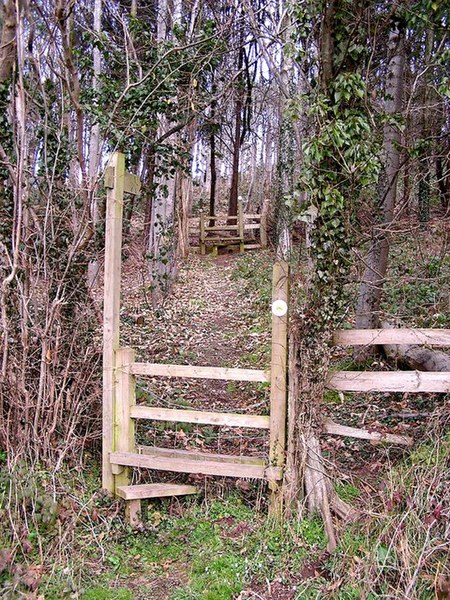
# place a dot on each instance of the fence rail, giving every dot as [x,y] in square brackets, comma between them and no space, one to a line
[196,372]
[389,381]
[380,337]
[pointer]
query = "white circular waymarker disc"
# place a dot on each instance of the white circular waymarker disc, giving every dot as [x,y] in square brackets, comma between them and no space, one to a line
[279,308]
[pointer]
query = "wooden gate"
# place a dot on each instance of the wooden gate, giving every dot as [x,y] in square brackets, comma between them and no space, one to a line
[120,369]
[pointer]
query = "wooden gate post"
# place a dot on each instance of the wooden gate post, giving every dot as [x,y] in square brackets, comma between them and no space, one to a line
[124,425]
[264,219]
[114,182]
[278,384]
[240,226]
[202,234]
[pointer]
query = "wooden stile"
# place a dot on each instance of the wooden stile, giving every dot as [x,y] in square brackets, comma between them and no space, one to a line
[195,372]
[381,337]
[201,417]
[240,227]
[278,383]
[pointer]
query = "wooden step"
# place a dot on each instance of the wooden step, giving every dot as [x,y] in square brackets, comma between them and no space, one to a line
[189,464]
[154,490]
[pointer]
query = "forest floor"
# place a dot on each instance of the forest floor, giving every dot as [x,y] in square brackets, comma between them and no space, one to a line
[221,545]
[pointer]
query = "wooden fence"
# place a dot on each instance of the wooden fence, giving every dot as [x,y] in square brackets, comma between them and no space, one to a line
[217,231]
[120,369]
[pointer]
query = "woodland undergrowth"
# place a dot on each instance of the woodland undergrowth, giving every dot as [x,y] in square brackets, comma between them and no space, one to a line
[61,537]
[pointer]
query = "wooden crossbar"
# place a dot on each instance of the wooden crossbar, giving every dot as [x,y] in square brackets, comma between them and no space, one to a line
[368,337]
[223,228]
[216,217]
[195,372]
[194,455]
[386,381]
[187,465]
[201,417]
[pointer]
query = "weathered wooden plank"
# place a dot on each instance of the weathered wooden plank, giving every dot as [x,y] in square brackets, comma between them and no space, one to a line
[252,216]
[363,434]
[218,217]
[252,246]
[154,490]
[185,465]
[111,305]
[201,417]
[366,337]
[223,228]
[382,381]
[195,372]
[222,240]
[250,226]
[194,455]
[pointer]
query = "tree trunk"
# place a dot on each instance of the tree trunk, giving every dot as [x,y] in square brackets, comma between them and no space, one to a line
[369,298]
[8,40]
[418,357]
[94,144]
[213,176]
[234,189]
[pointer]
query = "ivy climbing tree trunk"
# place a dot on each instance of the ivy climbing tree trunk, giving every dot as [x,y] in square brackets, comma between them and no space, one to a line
[338,161]
[369,297]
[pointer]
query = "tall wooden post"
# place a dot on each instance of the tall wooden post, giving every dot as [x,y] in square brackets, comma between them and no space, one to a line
[111,306]
[240,226]
[202,234]
[264,219]
[278,382]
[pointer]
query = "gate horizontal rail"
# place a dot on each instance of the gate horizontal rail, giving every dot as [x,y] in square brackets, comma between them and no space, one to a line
[176,415]
[196,372]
